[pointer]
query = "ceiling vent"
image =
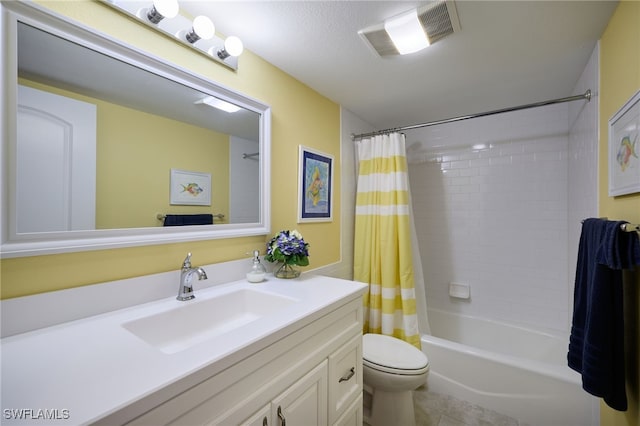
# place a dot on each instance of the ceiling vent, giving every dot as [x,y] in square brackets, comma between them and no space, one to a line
[439,19]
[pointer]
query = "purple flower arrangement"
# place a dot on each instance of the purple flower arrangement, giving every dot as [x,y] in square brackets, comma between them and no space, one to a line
[288,247]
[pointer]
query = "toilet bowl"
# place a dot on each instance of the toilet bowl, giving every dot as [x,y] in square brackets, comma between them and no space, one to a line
[392,369]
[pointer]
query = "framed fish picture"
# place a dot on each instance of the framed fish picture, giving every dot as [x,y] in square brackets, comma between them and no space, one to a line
[315,186]
[190,188]
[624,149]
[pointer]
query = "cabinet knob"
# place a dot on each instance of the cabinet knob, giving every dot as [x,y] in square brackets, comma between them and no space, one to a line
[283,421]
[265,422]
[347,375]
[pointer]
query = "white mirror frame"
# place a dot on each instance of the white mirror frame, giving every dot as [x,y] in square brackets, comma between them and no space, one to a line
[34,244]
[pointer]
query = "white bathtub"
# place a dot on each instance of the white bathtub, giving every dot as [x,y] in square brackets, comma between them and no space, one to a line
[513,370]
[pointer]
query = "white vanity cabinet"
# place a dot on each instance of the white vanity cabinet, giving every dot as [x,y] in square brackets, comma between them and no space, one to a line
[312,376]
[301,353]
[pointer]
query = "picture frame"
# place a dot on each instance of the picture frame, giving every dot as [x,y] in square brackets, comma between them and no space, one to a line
[190,188]
[315,186]
[624,148]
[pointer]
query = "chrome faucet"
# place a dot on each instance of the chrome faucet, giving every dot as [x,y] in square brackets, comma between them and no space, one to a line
[185,292]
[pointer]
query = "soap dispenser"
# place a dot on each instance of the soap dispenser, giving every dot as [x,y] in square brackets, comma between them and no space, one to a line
[258,271]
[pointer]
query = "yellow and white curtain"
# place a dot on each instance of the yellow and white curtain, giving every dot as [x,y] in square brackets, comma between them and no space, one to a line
[382,251]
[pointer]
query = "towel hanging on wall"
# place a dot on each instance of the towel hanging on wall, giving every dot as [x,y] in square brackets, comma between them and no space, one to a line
[188,219]
[596,343]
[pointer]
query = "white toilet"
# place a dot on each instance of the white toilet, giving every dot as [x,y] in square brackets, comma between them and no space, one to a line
[392,369]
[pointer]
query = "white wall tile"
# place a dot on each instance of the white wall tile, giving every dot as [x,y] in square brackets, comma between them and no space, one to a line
[582,162]
[498,222]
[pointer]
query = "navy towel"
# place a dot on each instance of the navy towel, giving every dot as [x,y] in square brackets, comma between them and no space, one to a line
[596,343]
[188,219]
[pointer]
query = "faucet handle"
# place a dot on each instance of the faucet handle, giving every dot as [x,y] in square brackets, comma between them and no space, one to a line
[187,262]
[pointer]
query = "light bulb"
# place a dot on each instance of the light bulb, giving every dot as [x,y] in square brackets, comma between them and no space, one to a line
[162,9]
[233,46]
[202,29]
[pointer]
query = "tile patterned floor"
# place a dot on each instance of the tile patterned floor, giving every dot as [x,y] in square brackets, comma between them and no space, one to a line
[433,409]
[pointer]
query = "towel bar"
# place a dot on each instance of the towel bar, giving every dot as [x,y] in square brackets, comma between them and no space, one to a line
[630,227]
[625,227]
[161,216]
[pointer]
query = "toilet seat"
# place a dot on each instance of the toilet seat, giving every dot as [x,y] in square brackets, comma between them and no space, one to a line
[394,356]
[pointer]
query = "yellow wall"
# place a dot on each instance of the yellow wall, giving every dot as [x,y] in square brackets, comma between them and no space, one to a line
[299,116]
[131,189]
[619,80]
[134,162]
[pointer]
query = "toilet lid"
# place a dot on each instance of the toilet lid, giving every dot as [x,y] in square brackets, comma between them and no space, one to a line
[386,353]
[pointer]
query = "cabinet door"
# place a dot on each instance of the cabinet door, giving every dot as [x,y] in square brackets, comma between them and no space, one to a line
[345,377]
[305,402]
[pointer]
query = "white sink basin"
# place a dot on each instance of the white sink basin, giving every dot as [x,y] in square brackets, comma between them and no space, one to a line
[199,320]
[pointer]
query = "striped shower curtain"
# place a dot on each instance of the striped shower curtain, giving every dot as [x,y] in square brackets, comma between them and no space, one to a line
[382,253]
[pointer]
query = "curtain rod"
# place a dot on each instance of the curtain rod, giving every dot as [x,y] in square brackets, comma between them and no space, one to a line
[586,95]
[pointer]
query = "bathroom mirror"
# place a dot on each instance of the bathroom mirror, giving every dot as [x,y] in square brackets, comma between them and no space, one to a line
[103,141]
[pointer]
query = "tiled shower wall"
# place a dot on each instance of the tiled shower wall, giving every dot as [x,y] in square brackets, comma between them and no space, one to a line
[490,206]
[583,160]
[498,203]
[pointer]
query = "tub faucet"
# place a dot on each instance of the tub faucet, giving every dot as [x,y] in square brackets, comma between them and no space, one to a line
[185,291]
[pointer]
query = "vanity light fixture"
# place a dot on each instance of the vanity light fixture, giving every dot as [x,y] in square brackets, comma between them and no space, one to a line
[202,29]
[162,9]
[199,34]
[232,47]
[218,103]
[406,32]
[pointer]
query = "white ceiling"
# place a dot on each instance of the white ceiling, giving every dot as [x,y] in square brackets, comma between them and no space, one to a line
[507,53]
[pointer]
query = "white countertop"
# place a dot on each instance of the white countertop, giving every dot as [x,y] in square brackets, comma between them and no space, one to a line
[86,370]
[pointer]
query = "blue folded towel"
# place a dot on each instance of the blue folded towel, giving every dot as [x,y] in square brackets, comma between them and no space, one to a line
[188,219]
[596,343]
[619,250]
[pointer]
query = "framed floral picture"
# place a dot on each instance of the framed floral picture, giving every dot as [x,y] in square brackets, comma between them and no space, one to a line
[190,188]
[315,186]
[624,149]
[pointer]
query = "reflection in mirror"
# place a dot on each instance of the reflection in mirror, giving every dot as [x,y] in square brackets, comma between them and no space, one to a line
[139,127]
[109,143]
